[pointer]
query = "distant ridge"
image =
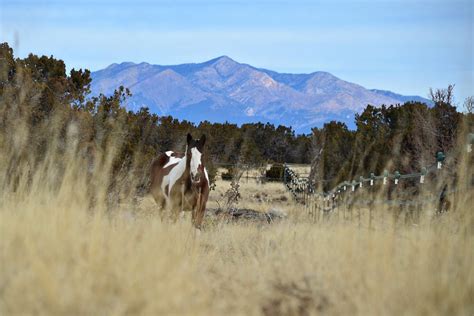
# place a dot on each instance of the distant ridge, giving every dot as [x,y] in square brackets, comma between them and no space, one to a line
[404,98]
[222,89]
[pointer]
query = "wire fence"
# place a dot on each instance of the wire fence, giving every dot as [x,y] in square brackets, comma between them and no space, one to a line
[395,190]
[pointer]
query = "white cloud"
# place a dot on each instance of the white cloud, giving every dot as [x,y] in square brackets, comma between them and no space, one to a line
[250,111]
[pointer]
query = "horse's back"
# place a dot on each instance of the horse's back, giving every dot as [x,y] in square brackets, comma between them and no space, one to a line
[165,159]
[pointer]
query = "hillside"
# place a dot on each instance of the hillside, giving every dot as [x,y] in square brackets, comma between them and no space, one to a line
[222,89]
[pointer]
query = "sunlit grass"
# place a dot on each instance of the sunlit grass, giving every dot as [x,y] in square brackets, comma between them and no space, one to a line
[61,258]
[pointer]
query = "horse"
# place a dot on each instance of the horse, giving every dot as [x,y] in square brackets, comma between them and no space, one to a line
[180,182]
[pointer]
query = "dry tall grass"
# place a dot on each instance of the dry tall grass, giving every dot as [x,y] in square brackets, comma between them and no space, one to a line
[65,251]
[58,259]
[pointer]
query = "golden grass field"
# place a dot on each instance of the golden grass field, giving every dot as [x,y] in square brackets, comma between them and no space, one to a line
[62,255]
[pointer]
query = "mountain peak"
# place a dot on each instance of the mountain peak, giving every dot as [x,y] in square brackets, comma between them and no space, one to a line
[112,66]
[222,60]
[121,65]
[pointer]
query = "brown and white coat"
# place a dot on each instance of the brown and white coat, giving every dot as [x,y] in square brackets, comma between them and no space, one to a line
[180,182]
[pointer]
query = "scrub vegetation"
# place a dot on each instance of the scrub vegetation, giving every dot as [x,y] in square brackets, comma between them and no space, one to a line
[80,236]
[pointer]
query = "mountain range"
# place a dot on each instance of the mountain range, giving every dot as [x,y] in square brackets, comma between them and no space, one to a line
[222,89]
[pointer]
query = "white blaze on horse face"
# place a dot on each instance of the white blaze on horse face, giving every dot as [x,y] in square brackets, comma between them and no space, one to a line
[195,161]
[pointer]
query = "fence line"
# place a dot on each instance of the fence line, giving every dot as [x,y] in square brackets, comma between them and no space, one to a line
[304,191]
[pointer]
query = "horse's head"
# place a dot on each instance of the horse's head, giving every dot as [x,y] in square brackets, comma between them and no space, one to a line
[194,151]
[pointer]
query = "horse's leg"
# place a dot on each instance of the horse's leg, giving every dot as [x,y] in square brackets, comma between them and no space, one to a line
[193,214]
[157,195]
[201,207]
[175,207]
[173,203]
[194,208]
[166,206]
[181,203]
[160,200]
[182,199]
[174,212]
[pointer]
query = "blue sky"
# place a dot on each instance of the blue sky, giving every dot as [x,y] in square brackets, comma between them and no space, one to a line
[404,46]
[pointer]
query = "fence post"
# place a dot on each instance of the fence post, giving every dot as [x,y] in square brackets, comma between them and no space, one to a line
[440,158]
[397,177]
[372,198]
[424,171]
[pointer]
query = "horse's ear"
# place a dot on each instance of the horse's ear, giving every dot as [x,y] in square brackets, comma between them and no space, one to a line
[189,139]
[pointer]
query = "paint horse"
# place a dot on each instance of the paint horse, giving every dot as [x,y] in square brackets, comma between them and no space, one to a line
[179,181]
